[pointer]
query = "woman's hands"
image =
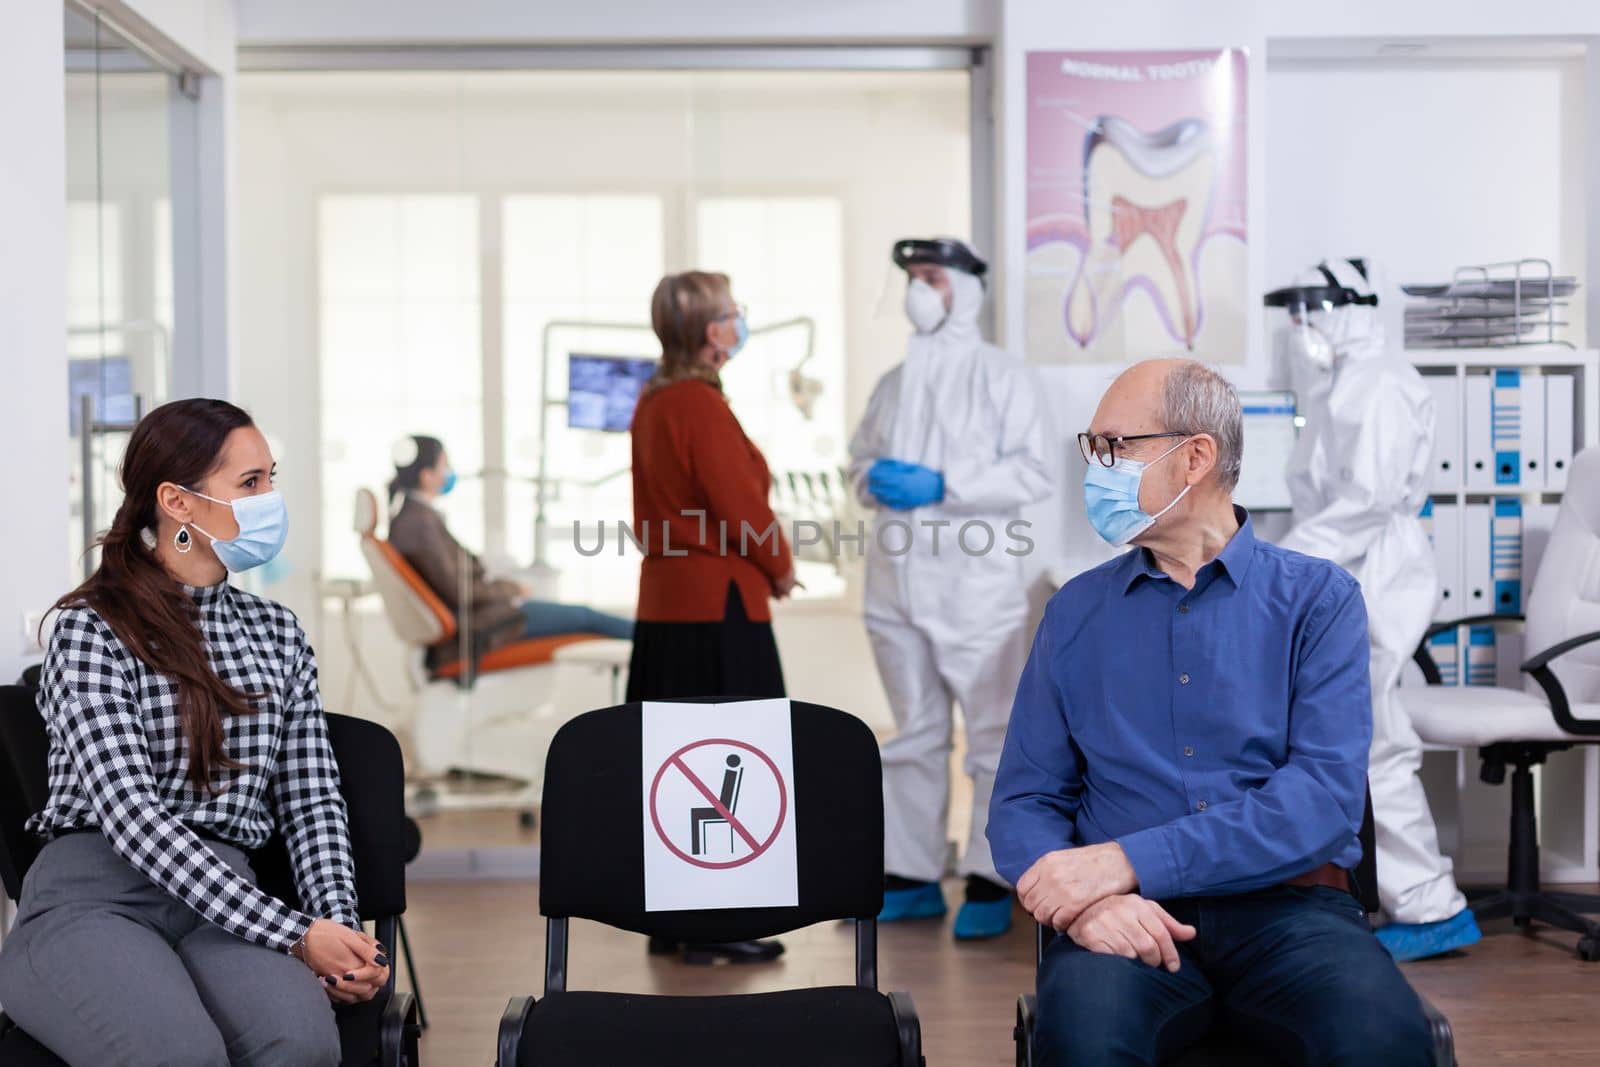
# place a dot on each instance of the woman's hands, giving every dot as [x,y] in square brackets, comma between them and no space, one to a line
[786,585]
[352,965]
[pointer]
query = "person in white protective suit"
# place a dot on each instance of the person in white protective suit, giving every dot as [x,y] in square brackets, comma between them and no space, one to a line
[951,447]
[1358,480]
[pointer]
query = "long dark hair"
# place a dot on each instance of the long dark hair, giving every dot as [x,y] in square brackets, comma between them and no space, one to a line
[409,476]
[145,607]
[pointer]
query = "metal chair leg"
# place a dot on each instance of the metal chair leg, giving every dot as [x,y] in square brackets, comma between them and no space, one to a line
[411,970]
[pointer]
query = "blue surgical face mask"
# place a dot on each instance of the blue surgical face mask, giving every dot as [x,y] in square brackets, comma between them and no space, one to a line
[449,484]
[263,527]
[1112,497]
[741,334]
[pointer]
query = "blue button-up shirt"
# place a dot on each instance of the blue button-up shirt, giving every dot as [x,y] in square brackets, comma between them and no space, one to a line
[1219,733]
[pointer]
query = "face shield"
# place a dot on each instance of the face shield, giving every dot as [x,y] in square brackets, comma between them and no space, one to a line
[1300,327]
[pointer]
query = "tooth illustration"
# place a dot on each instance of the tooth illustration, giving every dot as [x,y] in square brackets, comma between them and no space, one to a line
[1146,199]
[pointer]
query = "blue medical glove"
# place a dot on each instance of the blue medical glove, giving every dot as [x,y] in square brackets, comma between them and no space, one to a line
[877,474]
[903,486]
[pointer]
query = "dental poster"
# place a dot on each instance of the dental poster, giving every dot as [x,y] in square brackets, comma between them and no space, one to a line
[1136,206]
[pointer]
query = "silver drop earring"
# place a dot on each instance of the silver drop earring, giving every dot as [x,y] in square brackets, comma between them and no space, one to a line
[182,541]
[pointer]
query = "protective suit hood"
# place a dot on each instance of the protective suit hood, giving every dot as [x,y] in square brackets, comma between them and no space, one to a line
[1354,329]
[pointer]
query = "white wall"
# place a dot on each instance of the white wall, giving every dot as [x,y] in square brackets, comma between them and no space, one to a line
[33,321]
[1393,133]
[1479,166]
[548,22]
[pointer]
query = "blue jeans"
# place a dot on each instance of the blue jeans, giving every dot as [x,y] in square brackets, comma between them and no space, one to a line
[546,618]
[1297,971]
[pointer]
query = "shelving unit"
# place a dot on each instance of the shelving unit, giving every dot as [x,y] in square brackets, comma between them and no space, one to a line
[1471,816]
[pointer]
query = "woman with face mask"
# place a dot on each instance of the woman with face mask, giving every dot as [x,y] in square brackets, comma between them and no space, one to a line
[501,611]
[713,553]
[186,726]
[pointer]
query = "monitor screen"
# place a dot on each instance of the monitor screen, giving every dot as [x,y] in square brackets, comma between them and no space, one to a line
[1270,431]
[602,390]
[109,381]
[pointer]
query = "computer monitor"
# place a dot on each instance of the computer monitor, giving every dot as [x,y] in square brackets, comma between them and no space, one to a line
[109,380]
[1270,430]
[603,390]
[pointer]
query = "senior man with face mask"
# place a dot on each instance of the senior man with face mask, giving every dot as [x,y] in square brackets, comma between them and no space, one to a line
[951,447]
[1184,774]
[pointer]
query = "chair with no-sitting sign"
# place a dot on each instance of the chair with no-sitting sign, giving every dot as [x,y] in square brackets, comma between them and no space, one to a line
[592,866]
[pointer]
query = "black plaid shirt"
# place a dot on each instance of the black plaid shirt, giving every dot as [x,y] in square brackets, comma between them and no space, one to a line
[118,762]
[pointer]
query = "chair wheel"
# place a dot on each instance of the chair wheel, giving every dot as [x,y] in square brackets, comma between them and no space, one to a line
[526,820]
[1588,949]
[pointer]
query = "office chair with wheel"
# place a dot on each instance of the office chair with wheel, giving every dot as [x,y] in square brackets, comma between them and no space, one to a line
[380,1033]
[1517,729]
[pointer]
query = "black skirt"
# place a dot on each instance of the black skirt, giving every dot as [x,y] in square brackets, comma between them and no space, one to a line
[732,658]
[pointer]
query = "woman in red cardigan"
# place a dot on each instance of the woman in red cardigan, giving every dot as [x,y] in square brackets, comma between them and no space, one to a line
[713,553]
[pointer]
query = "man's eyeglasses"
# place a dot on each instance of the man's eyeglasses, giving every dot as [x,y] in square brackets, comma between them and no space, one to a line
[738,309]
[1097,447]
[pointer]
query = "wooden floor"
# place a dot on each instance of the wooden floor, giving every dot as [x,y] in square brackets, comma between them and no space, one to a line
[1512,999]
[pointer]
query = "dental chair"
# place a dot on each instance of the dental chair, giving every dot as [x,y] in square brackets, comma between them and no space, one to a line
[1519,728]
[483,711]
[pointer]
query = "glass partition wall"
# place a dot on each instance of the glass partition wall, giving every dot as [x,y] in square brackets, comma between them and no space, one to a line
[446,252]
[121,298]
[426,252]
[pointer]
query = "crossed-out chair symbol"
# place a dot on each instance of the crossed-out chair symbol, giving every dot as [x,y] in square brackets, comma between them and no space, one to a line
[700,818]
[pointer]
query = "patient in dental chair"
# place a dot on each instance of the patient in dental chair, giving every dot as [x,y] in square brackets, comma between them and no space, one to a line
[502,611]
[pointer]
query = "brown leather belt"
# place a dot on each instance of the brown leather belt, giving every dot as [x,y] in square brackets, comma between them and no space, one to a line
[1329,874]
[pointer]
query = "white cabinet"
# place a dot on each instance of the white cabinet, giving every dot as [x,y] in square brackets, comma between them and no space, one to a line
[1508,422]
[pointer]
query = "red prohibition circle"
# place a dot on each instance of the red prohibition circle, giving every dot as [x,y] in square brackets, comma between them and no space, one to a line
[783,804]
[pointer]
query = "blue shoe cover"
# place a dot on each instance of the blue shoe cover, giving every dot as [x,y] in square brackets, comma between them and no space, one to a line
[921,902]
[1419,941]
[979,920]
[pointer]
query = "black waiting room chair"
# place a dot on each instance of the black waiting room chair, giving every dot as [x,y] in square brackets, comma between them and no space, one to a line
[380,1033]
[1222,1047]
[592,867]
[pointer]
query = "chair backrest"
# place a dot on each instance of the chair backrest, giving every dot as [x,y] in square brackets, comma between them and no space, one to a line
[1565,599]
[24,782]
[1366,872]
[372,780]
[414,610]
[592,843]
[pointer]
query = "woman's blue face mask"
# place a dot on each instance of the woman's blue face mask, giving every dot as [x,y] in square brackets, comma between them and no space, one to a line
[449,484]
[741,334]
[263,527]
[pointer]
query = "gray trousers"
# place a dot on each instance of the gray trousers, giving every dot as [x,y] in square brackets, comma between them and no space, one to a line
[107,970]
